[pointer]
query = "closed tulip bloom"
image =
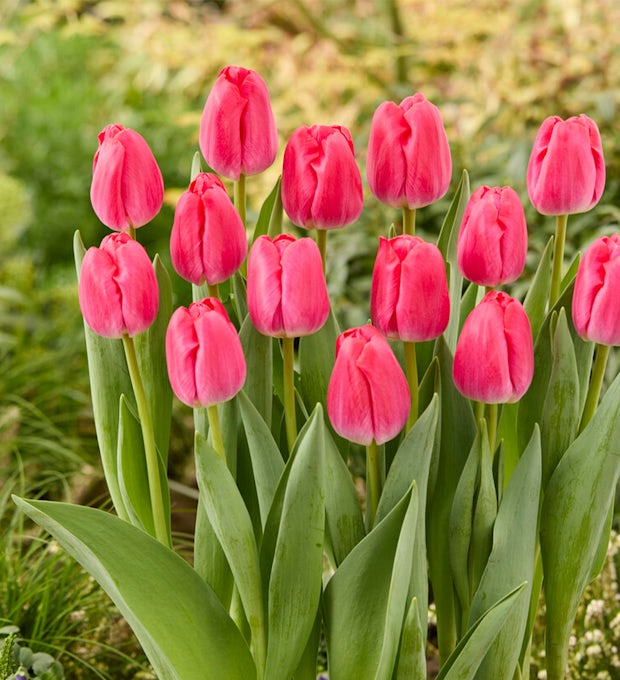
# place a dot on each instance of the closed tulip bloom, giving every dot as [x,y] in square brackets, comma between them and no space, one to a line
[367,397]
[127,189]
[321,183]
[409,163]
[596,301]
[287,294]
[208,240]
[206,365]
[494,357]
[409,298]
[566,171]
[238,133]
[492,241]
[118,290]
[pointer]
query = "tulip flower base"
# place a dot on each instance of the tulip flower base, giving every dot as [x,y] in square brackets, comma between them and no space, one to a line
[491,437]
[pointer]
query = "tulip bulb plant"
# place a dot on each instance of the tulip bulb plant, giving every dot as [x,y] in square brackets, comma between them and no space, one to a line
[491,458]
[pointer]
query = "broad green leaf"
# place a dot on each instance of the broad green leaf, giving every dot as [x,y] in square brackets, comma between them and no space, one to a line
[109,378]
[267,463]
[560,414]
[412,653]
[258,351]
[268,212]
[240,298]
[233,527]
[511,562]
[177,619]
[535,302]
[296,572]
[464,661]
[365,600]
[306,670]
[574,516]
[151,353]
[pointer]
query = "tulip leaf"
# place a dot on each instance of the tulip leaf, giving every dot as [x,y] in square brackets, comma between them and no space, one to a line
[109,378]
[272,203]
[196,168]
[295,577]
[240,298]
[464,661]
[574,517]
[258,352]
[412,653]
[365,600]
[179,622]
[511,562]
[233,527]
[535,301]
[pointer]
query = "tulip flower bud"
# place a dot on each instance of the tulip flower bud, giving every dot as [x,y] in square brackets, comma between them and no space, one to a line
[566,171]
[492,242]
[409,298]
[118,289]
[494,357]
[368,396]
[238,133]
[321,183]
[127,189]
[596,305]
[206,365]
[287,294]
[409,163]
[208,241]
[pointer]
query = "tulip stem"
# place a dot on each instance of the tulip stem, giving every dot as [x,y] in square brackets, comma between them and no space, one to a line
[132,232]
[214,290]
[596,382]
[321,241]
[409,221]
[156,490]
[558,259]
[374,481]
[239,197]
[492,410]
[216,431]
[288,355]
[411,369]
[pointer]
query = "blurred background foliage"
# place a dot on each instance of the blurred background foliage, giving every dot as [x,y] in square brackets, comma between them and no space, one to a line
[495,68]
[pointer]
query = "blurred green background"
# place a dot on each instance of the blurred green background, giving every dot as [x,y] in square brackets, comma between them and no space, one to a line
[496,69]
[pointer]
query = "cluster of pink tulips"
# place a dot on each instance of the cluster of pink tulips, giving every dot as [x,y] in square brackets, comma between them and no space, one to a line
[470,402]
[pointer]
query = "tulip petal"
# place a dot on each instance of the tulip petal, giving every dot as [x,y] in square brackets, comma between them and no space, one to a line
[181,351]
[264,287]
[105,190]
[385,289]
[99,294]
[299,179]
[186,239]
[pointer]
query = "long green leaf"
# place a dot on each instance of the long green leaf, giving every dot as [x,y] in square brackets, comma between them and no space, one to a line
[181,625]
[535,301]
[412,653]
[258,351]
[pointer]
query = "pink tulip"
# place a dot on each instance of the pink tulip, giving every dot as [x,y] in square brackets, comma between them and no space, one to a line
[566,171]
[287,295]
[127,188]
[409,163]
[208,241]
[367,397]
[118,290]
[321,183]
[492,242]
[409,298]
[238,133]
[494,357]
[596,301]
[205,360]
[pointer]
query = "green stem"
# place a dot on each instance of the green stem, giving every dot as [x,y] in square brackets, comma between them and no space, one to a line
[558,258]
[321,241]
[288,355]
[596,382]
[132,232]
[156,489]
[411,370]
[216,431]
[214,290]
[479,408]
[374,481]
[492,426]
[409,221]
[239,197]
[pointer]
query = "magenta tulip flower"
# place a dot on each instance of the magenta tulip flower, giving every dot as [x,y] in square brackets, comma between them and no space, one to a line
[409,163]
[492,241]
[127,189]
[367,397]
[321,183]
[286,291]
[494,357]
[596,301]
[206,365]
[238,133]
[566,171]
[409,298]
[118,289]
[208,240]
